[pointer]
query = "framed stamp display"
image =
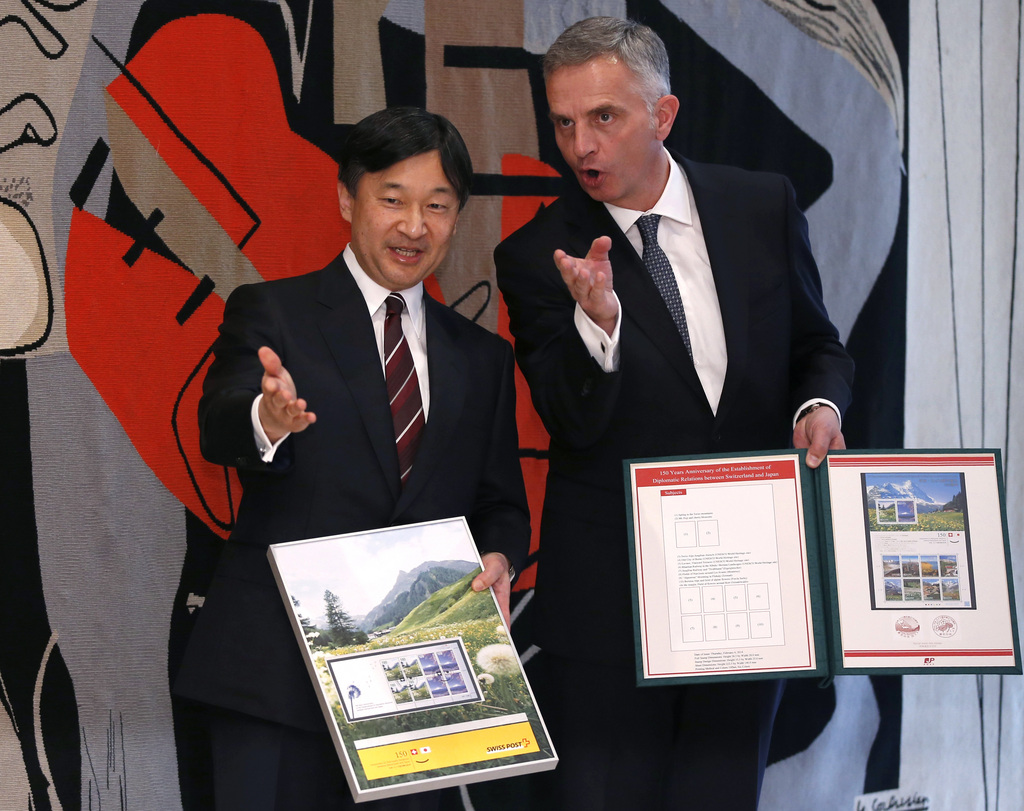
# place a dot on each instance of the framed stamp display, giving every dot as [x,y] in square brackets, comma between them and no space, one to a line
[919,563]
[416,674]
[756,566]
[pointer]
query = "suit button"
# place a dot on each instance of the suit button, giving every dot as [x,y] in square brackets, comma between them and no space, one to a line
[717,436]
[588,386]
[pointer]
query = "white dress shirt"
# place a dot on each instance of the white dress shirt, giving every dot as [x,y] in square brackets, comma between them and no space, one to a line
[681,237]
[414,325]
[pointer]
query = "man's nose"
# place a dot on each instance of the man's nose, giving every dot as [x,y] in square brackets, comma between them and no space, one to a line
[413,224]
[582,142]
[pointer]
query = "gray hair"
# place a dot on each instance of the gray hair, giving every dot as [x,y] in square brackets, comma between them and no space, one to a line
[639,48]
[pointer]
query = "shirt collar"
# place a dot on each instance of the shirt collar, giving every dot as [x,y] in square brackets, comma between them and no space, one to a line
[674,202]
[374,294]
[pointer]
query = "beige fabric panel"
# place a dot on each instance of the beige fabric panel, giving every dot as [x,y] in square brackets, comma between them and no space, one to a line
[188,229]
[42,68]
[358,74]
[493,109]
[469,260]
[25,300]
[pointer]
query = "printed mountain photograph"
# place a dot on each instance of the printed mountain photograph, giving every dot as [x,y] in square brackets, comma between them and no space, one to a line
[915,502]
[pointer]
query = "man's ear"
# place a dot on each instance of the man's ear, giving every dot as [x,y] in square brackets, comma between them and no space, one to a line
[665,111]
[345,201]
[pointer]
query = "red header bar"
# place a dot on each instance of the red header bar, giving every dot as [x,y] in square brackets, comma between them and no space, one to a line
[979,460]
[717,472]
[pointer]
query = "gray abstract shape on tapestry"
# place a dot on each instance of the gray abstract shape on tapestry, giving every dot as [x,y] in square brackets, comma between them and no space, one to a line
[111,546]
[820,89]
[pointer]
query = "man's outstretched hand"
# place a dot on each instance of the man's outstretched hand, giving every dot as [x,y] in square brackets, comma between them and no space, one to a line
[281,411]
[590,282]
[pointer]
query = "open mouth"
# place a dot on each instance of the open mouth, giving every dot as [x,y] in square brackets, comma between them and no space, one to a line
[408,253]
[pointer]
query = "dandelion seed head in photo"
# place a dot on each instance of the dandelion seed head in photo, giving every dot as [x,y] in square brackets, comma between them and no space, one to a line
[500,659]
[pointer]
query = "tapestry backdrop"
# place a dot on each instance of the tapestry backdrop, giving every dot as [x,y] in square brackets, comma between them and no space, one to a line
[154,155]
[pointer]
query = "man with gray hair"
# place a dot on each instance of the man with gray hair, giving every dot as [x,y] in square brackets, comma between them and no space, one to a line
[660,307]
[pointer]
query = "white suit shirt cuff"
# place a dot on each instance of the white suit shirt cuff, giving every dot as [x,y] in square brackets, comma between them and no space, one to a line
[602,347]
[823,401]
[266,448]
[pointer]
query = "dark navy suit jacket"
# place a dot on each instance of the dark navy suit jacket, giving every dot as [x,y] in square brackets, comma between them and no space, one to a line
[340,474]
[782,351]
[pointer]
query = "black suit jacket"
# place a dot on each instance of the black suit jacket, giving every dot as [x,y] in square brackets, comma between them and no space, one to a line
[782,351]
[340,474]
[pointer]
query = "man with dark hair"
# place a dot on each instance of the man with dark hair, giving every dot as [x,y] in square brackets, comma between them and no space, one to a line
[660,307]
[392,135]
[414,421]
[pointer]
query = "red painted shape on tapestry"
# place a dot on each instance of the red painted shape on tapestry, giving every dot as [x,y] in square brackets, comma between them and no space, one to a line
[215,80]
[122,331]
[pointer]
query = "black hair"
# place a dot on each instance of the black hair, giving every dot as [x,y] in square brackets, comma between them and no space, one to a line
[393,134]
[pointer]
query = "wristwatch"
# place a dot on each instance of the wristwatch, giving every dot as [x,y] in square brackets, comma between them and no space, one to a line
[809,410]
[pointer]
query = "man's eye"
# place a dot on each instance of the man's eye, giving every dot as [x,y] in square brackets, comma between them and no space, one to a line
[565,123]
[604,118]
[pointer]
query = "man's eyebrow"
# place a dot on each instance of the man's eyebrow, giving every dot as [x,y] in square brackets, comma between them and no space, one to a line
[595,111]
[395,185]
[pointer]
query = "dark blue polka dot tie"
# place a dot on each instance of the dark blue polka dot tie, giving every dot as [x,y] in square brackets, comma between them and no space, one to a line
[661,271]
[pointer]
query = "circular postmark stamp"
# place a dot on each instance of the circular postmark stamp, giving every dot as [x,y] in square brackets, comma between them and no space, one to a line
[907,626]
[944,625]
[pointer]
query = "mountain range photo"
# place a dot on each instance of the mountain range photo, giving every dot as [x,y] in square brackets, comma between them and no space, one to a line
[931,493]
[411,589]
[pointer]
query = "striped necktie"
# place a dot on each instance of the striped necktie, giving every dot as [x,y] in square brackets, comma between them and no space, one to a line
[403,386]
[661,271]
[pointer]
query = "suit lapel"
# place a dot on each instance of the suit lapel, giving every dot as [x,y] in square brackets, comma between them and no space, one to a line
[449,377]
[642,304]
[727,254]
[346,327]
